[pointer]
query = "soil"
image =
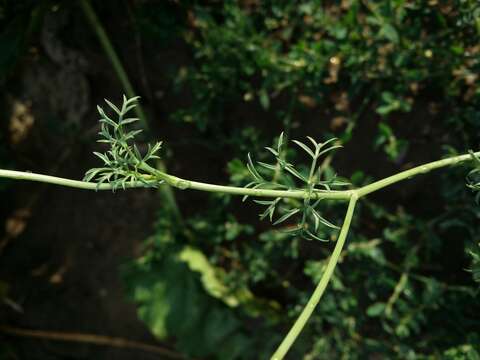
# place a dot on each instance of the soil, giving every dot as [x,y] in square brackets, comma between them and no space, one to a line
[61,249]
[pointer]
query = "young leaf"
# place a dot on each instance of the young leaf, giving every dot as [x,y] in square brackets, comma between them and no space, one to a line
[273,151]
[252,170]
[286,216]
[116,109]
[103,157]
[315,144]
[329,149]
[280,142]
[322,220]
[90,174]
[264,202]
[137,152]
[128,121]
[267,166]
[295,173]
[304,147]
[314,237]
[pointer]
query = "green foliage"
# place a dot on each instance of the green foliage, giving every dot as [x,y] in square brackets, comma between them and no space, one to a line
[180,294]
[313,183]
[123,160]
[393,147]
[410,69]
[406,67]
[347,56]
[171,301]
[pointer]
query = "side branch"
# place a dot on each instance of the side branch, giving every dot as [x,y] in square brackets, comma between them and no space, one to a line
[407,174]
[30,176]
[322,285]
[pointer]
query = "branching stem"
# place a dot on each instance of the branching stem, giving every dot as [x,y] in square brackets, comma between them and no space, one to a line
[407,174]
[322,285]
[155,176]
[119,69]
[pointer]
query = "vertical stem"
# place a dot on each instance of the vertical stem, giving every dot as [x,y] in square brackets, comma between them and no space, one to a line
[319,290]
[112,55]
[165,191]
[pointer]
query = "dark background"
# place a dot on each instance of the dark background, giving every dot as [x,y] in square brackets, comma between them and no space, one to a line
[395,81]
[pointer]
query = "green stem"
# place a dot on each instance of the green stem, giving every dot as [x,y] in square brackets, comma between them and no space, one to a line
[165,192]
[113,57]
[407,174]
[155,175]
[322,285]
[20,175]
[172,181]
[196,185]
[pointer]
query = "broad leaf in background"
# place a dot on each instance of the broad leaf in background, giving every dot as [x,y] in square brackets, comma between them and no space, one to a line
[172,302]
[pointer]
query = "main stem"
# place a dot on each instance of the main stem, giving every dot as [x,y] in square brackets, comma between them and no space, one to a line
[322,285]
[154,176]
[183,184]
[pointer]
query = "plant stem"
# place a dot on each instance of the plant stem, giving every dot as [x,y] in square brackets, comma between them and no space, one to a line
[112,56]
[154,175]
[92,18]
[319,290]
[195,185]
[20,175]
[407,174]
[172,181]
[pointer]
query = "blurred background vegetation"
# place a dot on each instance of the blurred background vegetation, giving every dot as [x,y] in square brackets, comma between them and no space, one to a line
[395,80]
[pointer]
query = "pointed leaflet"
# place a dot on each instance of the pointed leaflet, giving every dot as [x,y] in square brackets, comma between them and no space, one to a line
[104,157]
[127,102]
[286,216]
[137,152]
[322,145]
[264,202]
[128,108]
[128,121]
[304,147]
[321,219]
[273,151]
[270,210]
[315,144]
[295,173]
[280,142]
[90,174]
[314,237]
[329,149]
[105,118]
[116,109]
[267,166]
[252,170]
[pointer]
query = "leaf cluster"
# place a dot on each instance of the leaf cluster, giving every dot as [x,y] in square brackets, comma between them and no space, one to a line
[123,160]
[312,183]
